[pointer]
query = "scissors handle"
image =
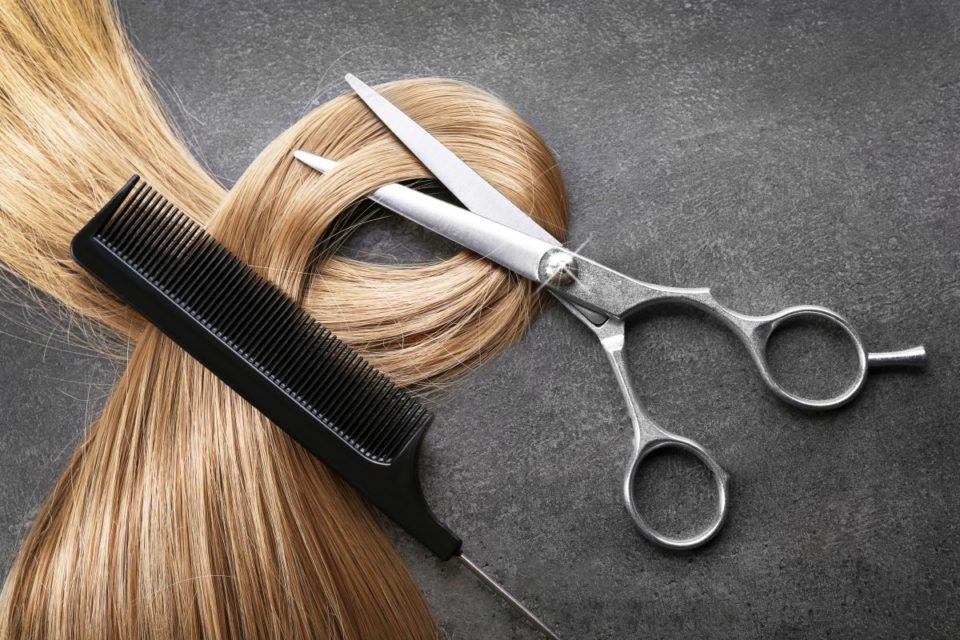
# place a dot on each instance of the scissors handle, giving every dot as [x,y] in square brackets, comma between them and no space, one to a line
[755,333]
[650,437]
[603,289]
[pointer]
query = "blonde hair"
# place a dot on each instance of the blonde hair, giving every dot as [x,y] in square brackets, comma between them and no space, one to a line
[184,513]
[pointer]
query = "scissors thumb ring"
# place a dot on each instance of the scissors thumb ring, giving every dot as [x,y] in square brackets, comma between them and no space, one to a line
[720,477]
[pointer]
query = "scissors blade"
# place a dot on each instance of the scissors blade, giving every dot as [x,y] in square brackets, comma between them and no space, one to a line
[504,245]
[467,185]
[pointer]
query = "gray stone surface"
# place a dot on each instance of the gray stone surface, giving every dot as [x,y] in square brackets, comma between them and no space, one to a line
[781,152]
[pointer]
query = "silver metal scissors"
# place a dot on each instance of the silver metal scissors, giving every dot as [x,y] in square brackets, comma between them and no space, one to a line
[600,297]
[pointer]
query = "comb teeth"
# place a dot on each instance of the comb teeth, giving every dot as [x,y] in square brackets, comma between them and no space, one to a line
[257,321]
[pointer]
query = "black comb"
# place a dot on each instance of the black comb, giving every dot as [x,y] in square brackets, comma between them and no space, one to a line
[267,348]
[270,351]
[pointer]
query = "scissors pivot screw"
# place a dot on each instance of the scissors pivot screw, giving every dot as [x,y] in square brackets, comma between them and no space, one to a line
[558,267]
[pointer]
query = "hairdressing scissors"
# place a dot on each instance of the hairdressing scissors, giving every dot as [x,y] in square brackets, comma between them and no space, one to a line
[492,226]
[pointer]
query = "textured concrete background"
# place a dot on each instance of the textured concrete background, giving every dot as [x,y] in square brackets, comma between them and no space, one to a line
[781,152]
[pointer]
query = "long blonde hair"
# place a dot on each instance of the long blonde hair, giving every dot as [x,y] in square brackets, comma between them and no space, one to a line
[184,512]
